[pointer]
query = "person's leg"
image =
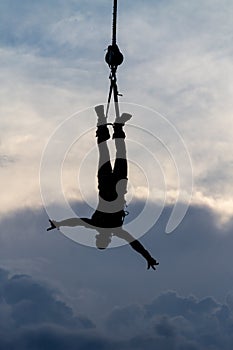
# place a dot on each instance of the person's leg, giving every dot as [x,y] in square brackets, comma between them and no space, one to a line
[120,166]
[120,169]
[102,134]
[104,167]
[120,172]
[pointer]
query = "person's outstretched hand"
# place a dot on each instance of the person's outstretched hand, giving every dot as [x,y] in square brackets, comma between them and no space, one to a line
[151,262]
[52,227]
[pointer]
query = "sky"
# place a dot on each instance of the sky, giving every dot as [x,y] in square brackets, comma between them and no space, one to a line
[176,81]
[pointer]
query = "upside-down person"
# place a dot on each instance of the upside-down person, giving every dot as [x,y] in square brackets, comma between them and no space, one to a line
[109,216]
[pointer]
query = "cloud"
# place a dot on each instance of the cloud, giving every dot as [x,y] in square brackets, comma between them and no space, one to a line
[199,247]
[180,62]
[94,288]
[175,322]
[60,339]
[52,57]
[65,34]
[31,317]
[6,160]
[31,303]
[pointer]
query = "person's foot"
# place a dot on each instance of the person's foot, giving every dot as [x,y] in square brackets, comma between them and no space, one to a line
[100,114]
[100,110]
[123,118]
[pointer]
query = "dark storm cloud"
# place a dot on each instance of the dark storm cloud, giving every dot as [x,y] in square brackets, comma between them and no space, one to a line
[196,259]
[47,338]
[32,318]
[36,320]
[30,303]
[174,322]
[192,259]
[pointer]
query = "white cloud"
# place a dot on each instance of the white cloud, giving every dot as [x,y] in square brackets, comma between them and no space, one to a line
[178,61]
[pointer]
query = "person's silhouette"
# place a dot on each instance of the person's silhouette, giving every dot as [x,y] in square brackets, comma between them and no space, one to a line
[109,216]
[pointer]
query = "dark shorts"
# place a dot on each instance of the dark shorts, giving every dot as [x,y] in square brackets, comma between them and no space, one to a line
[108,220]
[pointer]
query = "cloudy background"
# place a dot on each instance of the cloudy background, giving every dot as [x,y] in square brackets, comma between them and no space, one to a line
[55,293]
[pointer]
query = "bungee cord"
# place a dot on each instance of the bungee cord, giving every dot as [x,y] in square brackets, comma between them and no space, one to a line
[114,58]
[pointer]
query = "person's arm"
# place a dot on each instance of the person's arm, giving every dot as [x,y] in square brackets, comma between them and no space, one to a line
[68,222]
[136,245]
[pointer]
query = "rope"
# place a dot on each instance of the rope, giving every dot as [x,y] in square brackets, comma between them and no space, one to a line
[114,22]
[113,58]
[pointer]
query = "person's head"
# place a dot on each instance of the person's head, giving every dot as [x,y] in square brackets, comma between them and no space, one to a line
[103,239]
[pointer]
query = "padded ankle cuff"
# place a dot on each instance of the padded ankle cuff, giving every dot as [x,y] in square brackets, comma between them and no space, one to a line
[118,131]
[102,133]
